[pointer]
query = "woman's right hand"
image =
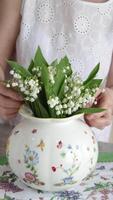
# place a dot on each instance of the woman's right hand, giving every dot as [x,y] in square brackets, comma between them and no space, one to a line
[10,101]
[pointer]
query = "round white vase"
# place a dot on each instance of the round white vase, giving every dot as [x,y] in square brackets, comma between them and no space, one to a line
[52,154]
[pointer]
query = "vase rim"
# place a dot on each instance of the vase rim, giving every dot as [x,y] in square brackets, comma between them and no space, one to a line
[27,113]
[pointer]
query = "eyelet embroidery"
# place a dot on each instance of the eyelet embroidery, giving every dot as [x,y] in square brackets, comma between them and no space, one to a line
[81,24]
[82,31]
[25,31]
[105,10]
[77,65]
[61,39]
[45,13]
[69,2]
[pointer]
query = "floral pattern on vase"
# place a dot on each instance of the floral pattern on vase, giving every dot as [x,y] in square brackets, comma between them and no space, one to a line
[69,172]
[31,159]
[64,146]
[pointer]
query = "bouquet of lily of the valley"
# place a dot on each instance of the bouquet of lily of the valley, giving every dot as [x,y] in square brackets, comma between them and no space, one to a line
[54,90]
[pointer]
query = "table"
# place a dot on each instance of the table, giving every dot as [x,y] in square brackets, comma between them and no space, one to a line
[98,186]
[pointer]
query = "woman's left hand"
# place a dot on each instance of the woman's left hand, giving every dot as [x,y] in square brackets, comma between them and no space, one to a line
[102,119]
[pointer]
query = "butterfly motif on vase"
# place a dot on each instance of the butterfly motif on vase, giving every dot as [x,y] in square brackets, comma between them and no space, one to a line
[41,145]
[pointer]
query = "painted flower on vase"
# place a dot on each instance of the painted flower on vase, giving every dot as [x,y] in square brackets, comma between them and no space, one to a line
[53,168]
[30,177]
[34,131]
[31,157]
[60,144]
[69,172]
[68,180]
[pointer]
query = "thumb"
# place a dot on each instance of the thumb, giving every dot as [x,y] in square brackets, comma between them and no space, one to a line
[98,93]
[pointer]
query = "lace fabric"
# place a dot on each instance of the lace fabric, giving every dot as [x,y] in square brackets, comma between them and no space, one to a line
[81,30]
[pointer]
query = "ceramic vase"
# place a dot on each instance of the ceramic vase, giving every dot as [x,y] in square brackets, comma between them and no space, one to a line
[52,154]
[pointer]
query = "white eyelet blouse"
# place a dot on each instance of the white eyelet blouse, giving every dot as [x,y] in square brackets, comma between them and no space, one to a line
[79,29]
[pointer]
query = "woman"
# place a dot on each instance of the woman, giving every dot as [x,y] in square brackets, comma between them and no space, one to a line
[82,30]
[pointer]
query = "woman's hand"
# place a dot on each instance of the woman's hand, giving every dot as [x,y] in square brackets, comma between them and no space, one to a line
[10,101]
[102,119]
[10,20]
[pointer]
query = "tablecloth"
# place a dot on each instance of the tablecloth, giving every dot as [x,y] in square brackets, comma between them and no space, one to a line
[98,186]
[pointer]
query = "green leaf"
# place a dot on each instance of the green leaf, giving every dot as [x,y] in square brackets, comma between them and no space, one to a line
[35,109]
[39,59]
[54,63]
[31,66]
[45,80]
[44,112]
[60,77]
[92,74]
[19,69]
[43,99]
[89,110]
[93,83]
[61,91]
[39,109]
[47,87]
[74,170]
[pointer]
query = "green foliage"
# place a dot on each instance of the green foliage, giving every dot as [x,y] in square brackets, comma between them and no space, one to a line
[89,110]
[39,59]
[19,69]
[60,76]
[93,83]
[31,66]
[40,107]
[54,63]
[92,74]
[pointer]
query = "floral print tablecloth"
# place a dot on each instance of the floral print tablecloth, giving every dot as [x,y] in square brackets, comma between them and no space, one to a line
[98,186]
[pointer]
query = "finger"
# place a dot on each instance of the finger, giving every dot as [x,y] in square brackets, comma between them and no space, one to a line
[90,104]
[108,116]
[10,93]
[6,102]
[2,76]
[98,93]
[8,117]
[100,123]
[5,112]
[95,115]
